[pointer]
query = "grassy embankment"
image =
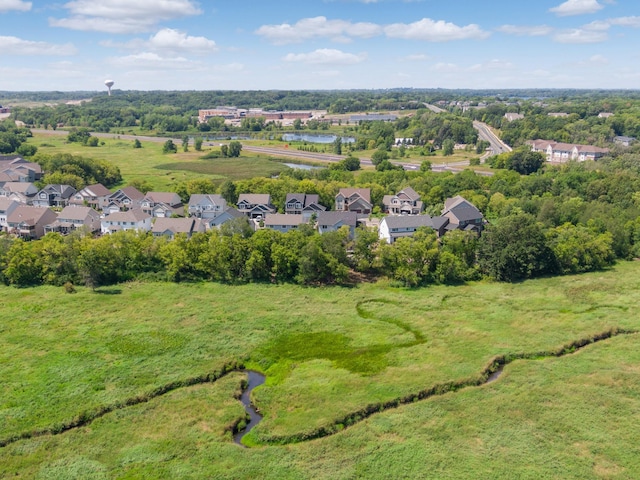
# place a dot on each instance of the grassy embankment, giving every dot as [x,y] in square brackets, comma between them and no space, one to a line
[327,352]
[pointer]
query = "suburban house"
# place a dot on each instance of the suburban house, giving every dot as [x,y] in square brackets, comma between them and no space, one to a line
[206,206]
[170,227]
[624,141]
[229,214]
[255,205]
[72,218]
[305,204]
[332,221]
[134,219]
[398,226]
[405,202]
[21,192]
[54,195]
[462,215]
[7,206]
[28,222]
[94,196]
[14,168]
[356,200]
[124,199]
[283,223]
[162,204]
[513,116]
[558,152]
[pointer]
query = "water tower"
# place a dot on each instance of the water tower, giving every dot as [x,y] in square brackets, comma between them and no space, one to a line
[109,84]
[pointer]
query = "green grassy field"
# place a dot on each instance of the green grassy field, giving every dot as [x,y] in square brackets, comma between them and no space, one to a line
[162,171]
[327,353]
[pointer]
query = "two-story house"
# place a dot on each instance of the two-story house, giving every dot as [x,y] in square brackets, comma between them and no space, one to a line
[73,218]
[405,202]
[462,215]
[255,205]
[305,204]
[21,192]
[134,219]
[7,206]
[206,206]
[95,196]
[356,200]
[282,222]
[332,221]
[28,222]
[170,227]
[54,195]
[162,204]
[126,198]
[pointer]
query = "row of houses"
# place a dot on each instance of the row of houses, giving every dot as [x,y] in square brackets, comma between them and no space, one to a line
[559,152]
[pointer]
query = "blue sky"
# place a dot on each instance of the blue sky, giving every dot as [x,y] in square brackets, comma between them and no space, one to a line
[319,44]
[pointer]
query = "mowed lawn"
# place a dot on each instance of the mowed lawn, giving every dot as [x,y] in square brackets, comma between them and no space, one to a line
[326,352]
[162,171]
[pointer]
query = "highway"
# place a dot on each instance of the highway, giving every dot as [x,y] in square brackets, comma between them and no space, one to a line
[485,133]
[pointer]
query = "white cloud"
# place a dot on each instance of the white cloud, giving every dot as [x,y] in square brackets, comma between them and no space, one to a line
[326,56]
[576,7]
[418,57]
[491,65]
[317,27]
[150,60]
[528,31]
[168,40]
[625,22]
[581,35]
[18,46]
[19,5]
[434,31]
[121,16]
[598,60]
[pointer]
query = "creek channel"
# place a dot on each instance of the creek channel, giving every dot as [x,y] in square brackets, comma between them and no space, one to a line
[254,379]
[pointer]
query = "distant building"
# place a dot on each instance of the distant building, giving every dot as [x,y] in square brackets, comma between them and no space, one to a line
[558,152]
[333,221]
[558,114]
[170,227]
[513,116]
[624,141]
[305,204]
[405,202]
[605,115]
[356,200]
[28,222]
[373,117]
[134,219]
[398,226]
[282,222]
[255,205]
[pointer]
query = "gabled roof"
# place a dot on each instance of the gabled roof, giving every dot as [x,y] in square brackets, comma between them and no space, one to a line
[461,208]
[130,192]
[363,193]
[409,193]
[333,218]
[19,187]
[255,198]
[5,203]
[295,197]
[77,213]
[208,199]
[176,225]
[64,191]
[31,215]
[95,190]
[136,215]
[170,198]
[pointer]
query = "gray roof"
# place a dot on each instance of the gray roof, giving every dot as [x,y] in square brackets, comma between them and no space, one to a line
[408,221]
[135,215]
[96,190]
[333,218]
[284,220]
[170,198]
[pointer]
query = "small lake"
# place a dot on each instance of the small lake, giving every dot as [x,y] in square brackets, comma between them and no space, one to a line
[301,166]
[311,138]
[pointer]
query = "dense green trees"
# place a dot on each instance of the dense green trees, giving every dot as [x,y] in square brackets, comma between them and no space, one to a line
[76,169]
[521,160]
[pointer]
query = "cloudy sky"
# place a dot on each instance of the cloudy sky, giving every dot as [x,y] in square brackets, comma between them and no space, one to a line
[319,44]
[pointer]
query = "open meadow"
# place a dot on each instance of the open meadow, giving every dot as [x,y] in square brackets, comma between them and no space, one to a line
[159,170]
[365,382]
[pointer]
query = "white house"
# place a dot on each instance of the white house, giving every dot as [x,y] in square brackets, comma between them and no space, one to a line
[134,219]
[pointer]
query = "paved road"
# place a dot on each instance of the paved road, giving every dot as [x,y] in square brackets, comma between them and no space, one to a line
[433,108]
[279,152]
[485,133]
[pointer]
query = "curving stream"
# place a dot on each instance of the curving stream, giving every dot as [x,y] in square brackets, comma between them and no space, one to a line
[254,379]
